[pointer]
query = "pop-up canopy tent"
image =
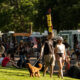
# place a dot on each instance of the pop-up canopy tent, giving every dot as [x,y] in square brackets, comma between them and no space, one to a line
[1,34]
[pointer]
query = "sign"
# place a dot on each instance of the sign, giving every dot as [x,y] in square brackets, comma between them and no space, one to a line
[49,23]
[50,29]
[22,34]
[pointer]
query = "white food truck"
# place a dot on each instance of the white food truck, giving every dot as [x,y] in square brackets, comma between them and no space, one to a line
[69,36]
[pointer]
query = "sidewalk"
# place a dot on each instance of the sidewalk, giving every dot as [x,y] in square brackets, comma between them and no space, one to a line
[34,59]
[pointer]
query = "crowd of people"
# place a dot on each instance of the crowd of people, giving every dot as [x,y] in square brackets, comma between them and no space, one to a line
[48,50]
[22,49]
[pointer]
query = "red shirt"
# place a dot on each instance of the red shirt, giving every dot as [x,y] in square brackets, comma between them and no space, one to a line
[5,61]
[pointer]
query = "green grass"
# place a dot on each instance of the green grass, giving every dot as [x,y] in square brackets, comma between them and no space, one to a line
[23,74]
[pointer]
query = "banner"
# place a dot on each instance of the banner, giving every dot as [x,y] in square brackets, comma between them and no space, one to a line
[49,23]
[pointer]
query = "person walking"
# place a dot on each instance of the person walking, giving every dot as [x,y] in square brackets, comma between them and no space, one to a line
[60,55]
[48,54]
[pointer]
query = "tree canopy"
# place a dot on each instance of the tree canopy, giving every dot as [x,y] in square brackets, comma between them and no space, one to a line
[19,15]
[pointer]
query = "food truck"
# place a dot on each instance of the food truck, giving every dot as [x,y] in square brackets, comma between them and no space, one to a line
[70,36]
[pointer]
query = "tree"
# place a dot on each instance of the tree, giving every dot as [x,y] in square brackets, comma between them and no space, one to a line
[17,14]
[65,13]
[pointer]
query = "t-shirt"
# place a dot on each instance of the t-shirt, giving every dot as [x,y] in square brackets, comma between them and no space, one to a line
[5,61]
[2,49]
[1,59]
[48,47]
[60,48]
[22,50]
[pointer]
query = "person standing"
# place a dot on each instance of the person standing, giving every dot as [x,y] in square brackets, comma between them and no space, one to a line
[48,54]
[60,55]
[77,51]
[21,51]
[2,48]
[67,59]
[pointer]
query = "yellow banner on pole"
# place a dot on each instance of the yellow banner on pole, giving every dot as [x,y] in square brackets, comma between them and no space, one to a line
[49,23]
[50,29]
[49,17]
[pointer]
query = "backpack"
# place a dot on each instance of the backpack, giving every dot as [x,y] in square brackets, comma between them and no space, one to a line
[48,49]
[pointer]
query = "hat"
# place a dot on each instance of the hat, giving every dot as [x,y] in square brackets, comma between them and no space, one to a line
[60,38]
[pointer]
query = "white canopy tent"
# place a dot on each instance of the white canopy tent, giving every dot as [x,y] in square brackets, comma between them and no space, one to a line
[1,34]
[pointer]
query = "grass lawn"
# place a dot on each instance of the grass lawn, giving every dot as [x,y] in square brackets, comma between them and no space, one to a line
[23,74]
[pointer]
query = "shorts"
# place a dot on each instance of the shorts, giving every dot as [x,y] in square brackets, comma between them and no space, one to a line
[60,54]
[49,60]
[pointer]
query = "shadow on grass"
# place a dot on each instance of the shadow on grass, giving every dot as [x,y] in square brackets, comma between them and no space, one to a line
[13,68]
[14,73]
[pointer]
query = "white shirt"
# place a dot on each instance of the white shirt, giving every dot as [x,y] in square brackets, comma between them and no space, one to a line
[60,48]
[11,45]
[2,49]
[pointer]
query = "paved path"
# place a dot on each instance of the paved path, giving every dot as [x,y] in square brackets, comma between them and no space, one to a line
[34,59]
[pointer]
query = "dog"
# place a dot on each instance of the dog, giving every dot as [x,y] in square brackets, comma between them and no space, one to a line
[34,71]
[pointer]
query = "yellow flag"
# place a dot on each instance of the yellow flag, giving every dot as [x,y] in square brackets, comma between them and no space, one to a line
[49,17]
[50,29]
[49,22]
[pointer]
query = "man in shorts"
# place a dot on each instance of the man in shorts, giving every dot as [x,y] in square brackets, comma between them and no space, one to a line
[48,54]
